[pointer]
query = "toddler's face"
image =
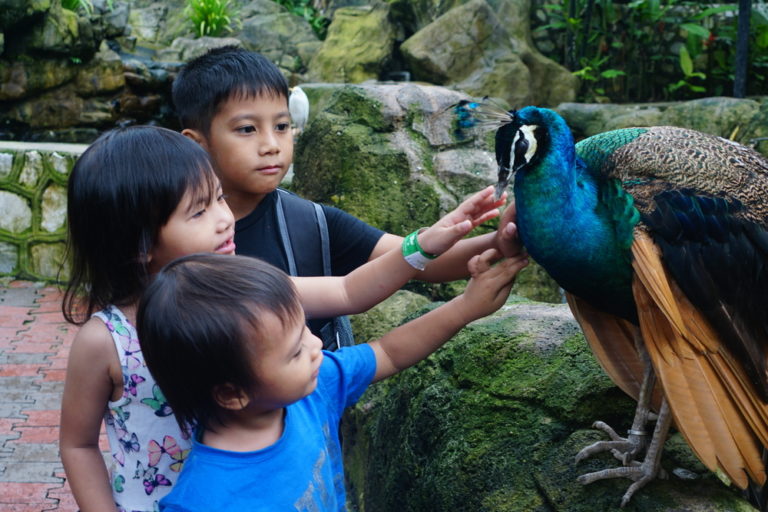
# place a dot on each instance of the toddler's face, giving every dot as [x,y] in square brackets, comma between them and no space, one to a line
[288,364]
[195,226]
[251,145]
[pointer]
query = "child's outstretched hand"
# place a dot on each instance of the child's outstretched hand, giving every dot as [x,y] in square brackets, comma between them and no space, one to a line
[475,210]
[507,240]
[490,285]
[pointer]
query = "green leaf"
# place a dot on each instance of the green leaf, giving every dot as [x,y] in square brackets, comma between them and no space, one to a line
[686,64]
[762,40]
[714,10]
[674,87]
[612,73]
[696,30]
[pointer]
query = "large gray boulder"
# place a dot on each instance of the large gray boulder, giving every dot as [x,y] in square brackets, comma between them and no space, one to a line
[371,149]
[493,420]
[474,49]
[284,38]
[358,47]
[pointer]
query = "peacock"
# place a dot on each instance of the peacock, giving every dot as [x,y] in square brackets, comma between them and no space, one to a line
[659,238]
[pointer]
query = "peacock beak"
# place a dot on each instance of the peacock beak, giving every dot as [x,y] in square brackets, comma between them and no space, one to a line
[502,183]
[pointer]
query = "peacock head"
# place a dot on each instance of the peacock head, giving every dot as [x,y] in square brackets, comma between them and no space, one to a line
[521,142]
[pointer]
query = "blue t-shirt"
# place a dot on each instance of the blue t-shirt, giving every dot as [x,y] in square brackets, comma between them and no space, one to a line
[302,471]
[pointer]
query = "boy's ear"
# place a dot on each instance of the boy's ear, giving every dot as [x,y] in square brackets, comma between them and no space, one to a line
[230,397]
[195,136]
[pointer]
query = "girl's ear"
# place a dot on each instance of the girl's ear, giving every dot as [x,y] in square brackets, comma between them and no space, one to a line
[230,397]
[195,136]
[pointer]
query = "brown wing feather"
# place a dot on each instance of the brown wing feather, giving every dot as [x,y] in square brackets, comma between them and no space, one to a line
[612,340]
[714,404]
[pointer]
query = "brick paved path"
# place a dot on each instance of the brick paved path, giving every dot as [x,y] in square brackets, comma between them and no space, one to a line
[34,343]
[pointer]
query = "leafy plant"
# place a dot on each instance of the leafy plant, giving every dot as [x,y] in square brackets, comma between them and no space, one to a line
[631,51]
[211,17]
[721,53]
[686,65]
[306,10]
[74,5]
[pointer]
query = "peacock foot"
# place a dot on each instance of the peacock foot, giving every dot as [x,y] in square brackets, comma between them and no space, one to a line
[639,473]
[624,449]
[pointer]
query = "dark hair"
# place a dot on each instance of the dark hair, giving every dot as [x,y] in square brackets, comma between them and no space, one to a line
[121,191]
[195,323]
[221,74]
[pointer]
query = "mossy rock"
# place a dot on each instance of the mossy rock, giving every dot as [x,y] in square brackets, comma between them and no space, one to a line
[492,422]
[357,154]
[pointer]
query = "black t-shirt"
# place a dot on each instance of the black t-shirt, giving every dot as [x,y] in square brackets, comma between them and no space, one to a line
[351,241]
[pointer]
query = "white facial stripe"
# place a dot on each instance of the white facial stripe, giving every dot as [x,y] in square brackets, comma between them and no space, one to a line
[512,148]
[531,138]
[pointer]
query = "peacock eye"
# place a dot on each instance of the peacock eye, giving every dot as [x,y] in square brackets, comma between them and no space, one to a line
[521,147]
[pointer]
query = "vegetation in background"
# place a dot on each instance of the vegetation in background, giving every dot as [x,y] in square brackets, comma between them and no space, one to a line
[212,17]
[306,10]
[648,50]
[74,5]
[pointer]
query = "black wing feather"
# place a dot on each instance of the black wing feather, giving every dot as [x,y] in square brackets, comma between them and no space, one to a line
[718,258]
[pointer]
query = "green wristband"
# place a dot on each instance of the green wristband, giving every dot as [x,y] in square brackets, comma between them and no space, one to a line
[414,254]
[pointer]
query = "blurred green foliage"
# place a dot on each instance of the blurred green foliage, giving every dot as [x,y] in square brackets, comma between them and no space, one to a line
[306,10]
[650,50]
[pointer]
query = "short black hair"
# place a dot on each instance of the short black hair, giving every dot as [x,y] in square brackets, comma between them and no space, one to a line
[221,74]
[121,191]
[195,323]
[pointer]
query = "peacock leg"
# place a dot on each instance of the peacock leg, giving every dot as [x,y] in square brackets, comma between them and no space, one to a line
[640,473]
[627,448]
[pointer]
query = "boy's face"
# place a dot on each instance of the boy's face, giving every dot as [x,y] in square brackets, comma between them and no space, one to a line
[287,365]
[195,227]
[251,145]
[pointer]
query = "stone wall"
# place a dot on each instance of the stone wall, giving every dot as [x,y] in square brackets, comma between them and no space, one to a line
[33,211]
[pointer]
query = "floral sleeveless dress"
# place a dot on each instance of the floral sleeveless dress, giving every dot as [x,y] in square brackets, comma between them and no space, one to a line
[148,447]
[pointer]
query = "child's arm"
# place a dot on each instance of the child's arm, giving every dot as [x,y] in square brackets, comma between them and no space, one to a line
[453,264]
[373,282]
[87,390]
[485,293]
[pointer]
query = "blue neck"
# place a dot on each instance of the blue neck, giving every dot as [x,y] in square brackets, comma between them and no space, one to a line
[566,230]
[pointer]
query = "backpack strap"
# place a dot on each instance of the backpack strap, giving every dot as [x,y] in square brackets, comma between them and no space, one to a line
[325,245]
[282,227]
[342,329]
[302,225]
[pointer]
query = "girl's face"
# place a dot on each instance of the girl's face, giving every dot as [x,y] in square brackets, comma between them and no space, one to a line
[195,227]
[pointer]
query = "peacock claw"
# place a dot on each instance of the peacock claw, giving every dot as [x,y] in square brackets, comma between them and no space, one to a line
[639,472]
[624,449]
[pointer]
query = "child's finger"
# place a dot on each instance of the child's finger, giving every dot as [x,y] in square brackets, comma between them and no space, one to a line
[481,263]
[509,267]
[492,214]
[462,228]
[478,201]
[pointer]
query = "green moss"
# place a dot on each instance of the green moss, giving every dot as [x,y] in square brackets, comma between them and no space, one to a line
[534,282]
[358,108]
[374,184]
[492,422]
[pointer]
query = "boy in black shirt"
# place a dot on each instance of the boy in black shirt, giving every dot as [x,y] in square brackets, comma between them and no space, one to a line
[234,103]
